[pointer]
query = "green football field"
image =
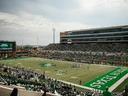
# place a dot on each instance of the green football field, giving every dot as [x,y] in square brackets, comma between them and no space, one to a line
[62,70]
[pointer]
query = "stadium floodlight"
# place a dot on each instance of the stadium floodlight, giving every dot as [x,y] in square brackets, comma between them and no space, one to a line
[54,35]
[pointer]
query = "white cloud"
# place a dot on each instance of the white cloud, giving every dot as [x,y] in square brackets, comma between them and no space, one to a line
[30,27]
[29,19]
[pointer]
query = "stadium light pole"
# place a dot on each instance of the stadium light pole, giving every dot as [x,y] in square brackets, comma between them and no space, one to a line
[37,39]
[53,35]
[22,43]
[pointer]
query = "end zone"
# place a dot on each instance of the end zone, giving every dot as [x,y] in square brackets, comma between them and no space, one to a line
[109,80]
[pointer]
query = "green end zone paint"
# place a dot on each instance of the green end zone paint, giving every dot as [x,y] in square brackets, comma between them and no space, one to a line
[108,79]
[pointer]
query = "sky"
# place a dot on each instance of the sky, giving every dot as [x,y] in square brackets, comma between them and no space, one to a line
[31,22]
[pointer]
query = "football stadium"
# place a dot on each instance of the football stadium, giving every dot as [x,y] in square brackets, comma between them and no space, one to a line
[90,62]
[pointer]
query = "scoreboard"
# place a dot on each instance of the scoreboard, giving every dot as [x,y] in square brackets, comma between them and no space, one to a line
[7,46]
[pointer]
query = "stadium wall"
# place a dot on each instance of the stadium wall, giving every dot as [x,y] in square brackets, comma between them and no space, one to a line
[107,34]
[6,91]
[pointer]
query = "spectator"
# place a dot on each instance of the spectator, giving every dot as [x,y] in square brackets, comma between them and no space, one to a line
[125,93]
[107,93]
[14,92]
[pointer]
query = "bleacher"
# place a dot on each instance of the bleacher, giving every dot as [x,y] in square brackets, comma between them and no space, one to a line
[32,82]
[97,53]
[101,47]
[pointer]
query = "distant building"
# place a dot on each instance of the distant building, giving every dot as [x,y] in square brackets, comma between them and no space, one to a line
[7,49]
[107,34]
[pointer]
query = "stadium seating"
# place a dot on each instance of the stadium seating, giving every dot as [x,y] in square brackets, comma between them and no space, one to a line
[33,81]
[98,53]
[100,47]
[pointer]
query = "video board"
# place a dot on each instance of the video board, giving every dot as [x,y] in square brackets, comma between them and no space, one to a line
[7,46]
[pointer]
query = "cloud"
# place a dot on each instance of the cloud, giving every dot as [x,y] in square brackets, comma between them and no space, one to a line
[105,12]
[27,20]
[29,27]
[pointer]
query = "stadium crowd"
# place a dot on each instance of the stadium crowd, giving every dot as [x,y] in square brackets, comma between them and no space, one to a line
[87,53]
[95,47]
[92,53]
[86,56]
[34,81]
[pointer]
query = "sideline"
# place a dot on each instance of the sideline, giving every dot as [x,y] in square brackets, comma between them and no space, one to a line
[115,85]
